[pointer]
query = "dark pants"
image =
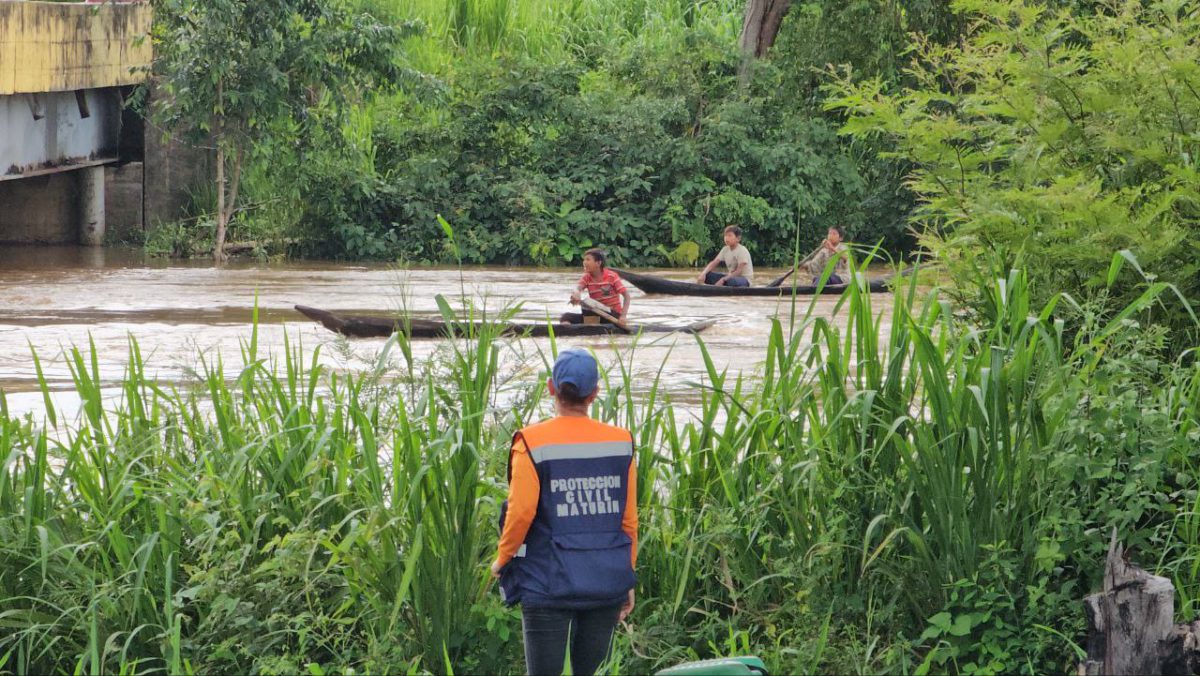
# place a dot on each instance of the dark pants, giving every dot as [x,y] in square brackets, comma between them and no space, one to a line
[577,317]
[548,630]
[833,280]
[714,277]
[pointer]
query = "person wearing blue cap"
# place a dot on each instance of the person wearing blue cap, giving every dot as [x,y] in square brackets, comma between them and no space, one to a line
[568,540]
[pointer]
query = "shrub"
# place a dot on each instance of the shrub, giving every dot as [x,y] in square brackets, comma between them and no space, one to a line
[1057,136]
[534,163]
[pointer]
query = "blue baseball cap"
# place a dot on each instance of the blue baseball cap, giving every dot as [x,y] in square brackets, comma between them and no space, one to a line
[577,367]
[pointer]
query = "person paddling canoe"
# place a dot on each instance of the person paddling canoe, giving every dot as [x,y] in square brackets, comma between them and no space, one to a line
[739,270]
[832,246]
[602,285]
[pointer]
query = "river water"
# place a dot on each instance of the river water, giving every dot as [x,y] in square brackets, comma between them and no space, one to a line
[183,312]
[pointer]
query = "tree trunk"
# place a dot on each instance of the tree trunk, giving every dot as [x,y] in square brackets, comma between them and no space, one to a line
[1131,626]
[759,29]
[227,196]
[219,245]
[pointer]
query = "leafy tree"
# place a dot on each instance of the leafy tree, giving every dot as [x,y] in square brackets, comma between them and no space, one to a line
[863,39]
[1067,137]
[235,71]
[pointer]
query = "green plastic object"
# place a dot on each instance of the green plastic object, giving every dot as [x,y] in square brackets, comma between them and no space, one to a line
[721,666]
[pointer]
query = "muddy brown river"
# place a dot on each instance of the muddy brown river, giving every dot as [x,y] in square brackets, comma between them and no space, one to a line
[180,312]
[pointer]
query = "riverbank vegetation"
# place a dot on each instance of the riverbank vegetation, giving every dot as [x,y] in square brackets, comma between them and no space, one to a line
[929,492]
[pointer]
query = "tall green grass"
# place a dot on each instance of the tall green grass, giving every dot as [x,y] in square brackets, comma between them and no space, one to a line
[291,516]
[901,458]
[901,487]
[553,29]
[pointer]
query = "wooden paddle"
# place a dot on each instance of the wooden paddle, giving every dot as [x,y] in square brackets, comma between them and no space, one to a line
[596,306]
[782,278]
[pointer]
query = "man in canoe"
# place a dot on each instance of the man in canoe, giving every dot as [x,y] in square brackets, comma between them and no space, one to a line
[602,285]
[739,270]
[832,246]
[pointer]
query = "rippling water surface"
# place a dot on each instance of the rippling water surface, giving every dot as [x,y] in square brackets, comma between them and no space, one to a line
[182,312]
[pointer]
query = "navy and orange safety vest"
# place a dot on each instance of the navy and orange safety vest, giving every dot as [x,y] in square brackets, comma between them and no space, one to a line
[579,548]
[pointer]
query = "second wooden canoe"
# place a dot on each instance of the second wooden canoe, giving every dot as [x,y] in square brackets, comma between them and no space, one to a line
[672,287]
[372,326]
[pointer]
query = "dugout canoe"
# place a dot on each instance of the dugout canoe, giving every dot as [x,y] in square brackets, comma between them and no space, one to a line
[671,287]
[371,326]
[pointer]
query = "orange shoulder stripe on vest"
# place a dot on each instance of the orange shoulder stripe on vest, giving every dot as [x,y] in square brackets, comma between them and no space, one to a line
[572,430]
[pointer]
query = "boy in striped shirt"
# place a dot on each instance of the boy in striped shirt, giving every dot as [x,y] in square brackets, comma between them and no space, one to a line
[602,285]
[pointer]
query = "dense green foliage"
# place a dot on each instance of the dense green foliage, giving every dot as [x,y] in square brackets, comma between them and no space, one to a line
[547,126]
[1057,136]
[905,494]
[239,74]
[535,163]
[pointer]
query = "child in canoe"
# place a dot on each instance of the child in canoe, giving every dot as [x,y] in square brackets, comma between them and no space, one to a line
[602,285]
[739,270]
[830,247]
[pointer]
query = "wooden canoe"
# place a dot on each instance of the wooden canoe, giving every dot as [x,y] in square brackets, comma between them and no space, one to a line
[371,326]
[652,284]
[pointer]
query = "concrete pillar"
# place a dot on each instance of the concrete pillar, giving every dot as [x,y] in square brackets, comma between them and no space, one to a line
[91,206]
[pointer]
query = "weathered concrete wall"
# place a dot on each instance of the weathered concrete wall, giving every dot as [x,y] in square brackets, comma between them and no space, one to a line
[173,170]
[59,47]
[41,210]
[46,209]
[123,201]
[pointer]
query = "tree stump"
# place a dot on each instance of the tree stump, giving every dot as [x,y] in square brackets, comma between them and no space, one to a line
[1131,626]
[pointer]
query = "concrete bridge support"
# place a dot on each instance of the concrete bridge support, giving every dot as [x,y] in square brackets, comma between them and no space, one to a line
[91,206]
[66,69]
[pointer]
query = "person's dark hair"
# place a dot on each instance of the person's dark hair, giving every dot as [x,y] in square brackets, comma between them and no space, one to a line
[597,255]
[737,232]
[569,394]
[840,230]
